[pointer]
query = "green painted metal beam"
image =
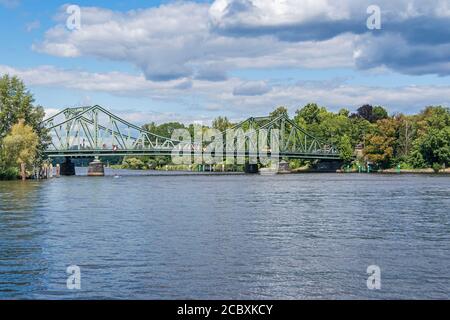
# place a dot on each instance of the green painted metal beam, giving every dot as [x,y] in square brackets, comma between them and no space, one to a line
[86,122]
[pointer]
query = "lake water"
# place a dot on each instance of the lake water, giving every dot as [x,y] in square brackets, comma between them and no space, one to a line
[153,236]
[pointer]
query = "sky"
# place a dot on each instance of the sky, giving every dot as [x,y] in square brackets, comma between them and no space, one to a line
[195,60]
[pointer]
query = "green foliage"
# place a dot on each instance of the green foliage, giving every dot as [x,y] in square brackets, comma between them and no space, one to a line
[221,124]
[434,146]
[278,112]
[134,164]
[379,113]
[380,144]
[11,173]
[436,167]
[309,114]
[20,146]
[413,141]
[165,129]
[29,140]
[345,148]
[16,103]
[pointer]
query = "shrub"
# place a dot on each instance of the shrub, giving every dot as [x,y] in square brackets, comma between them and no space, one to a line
[436,167]
[9,173]
[134,164]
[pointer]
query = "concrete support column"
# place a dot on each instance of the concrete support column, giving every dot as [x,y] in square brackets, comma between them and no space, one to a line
[96,168]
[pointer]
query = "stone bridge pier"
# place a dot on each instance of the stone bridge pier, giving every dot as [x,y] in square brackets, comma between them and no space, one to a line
[96,168]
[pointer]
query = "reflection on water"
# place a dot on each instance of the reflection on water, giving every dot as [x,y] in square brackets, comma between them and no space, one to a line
[286,236]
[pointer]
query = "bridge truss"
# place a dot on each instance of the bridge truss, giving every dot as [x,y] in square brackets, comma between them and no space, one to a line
[94,131]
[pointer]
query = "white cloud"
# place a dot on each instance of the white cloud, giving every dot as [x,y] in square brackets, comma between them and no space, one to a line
[251,88]
[175,41]
[226,13]
[414,39]
[199,40]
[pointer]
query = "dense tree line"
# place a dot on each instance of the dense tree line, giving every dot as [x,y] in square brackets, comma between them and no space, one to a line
[411,141]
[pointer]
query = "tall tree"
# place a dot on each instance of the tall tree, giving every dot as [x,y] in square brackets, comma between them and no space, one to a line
[380,145]
[16,103]
[221,124]
[310,113]
[278,112]
[379,113]
[345,149]
[434,147]
[364,112]
[20,146]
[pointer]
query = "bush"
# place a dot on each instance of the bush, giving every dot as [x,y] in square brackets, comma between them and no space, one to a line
[9,173]
[134,164]
[436,167]
[152,164]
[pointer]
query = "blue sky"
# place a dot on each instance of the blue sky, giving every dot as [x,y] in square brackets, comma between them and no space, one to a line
[194,60]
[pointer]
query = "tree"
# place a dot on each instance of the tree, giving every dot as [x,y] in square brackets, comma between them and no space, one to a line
[379,113]
[165,130]
[406,134]
[20,146]
[133,163]
[221,124]
[364,112]
[345,149]
[310,113]
[434,147]
[380,145]
[344,112]
[371,114]
[278,112]
[430,146]
[16,103]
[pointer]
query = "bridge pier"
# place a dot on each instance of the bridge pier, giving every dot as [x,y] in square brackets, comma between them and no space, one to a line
[67,168]
[96,168]
[251,168]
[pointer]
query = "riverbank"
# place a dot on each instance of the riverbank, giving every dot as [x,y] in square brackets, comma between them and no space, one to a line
[302,170]
[401,171]
[415,171]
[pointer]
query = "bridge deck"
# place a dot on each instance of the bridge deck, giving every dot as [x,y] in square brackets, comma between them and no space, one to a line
[110,153]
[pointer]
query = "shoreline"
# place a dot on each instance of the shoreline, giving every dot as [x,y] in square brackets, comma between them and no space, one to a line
[428,171]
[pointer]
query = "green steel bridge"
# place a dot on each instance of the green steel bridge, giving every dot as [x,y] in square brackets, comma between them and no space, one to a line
[94,131]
